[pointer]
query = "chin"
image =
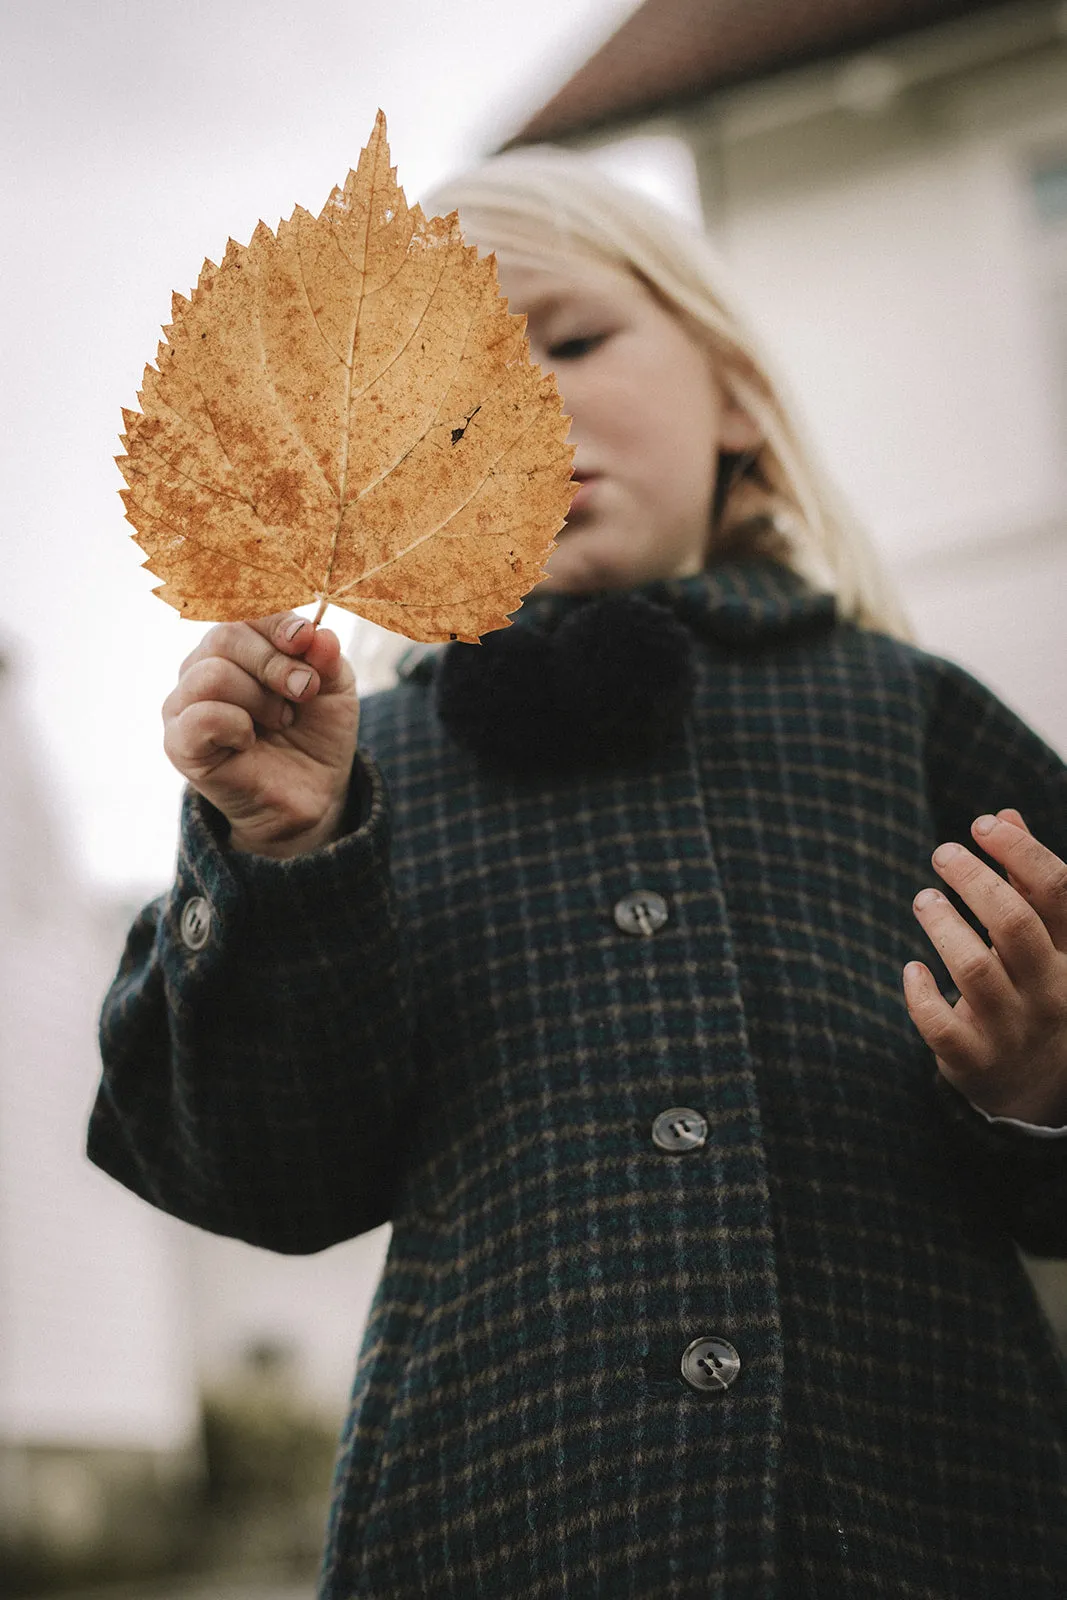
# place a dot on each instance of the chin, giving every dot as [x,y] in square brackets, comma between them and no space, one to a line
[576,566]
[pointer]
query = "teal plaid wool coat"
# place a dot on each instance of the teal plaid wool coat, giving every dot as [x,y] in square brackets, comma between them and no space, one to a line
[438,1021]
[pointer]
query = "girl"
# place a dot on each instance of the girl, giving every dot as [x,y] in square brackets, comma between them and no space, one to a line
[593,969]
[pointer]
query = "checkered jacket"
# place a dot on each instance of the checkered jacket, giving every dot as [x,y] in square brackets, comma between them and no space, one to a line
[439,1021]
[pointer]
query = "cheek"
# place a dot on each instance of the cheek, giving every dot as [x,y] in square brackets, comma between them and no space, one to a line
[667,450]
[662,412]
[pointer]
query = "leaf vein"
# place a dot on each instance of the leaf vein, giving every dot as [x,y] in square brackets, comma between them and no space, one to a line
[400,554]
[253,566]
[338,357]
[424,435]
[396,357]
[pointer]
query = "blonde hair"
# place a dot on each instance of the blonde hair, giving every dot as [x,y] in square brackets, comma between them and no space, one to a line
[777,500]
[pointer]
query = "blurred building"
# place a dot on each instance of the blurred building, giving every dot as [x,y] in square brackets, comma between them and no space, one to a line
[888,182]
[98,1403]
[117,1323]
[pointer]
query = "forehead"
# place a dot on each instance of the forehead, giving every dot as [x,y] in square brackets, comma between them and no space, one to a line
[537,286]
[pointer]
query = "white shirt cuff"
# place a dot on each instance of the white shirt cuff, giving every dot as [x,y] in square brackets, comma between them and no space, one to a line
[1033,1128]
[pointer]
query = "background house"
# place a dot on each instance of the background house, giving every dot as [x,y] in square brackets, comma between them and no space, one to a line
[888,181]
[99,1408]
[135,1352]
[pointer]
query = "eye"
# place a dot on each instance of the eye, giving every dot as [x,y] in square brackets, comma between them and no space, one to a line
[573,349]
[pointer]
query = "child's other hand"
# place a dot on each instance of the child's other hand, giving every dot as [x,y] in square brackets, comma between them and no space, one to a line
[1004,1043]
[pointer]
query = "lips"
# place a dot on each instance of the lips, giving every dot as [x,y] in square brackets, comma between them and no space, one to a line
[586,492]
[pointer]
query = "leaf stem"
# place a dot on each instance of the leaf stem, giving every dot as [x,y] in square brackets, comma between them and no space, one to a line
[323,603]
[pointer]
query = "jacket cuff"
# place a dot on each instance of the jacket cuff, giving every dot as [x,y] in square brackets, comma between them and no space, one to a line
[996,1135]
[1020,1180]
[217,889]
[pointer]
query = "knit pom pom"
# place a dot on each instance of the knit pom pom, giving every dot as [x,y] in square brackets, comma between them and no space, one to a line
[496,698]
[629,664]
[607,681]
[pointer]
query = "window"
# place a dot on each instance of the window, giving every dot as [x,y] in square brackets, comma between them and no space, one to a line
[1048,179]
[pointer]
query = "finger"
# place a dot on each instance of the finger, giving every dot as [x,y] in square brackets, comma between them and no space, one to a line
[206,734]
[319,647]
[265,650]
[287,631]
[1018,934]
[1041,874]
[974,968]
[956,1043]
[216,678]
[1009,814]
[325,655]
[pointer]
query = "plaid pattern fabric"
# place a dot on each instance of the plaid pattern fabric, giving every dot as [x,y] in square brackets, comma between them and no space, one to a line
[469,1045]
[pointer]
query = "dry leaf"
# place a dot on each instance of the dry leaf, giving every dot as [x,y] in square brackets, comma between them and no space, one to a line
[346,412]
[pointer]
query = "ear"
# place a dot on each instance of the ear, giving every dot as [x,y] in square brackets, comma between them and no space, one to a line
[738,434]
[737,431]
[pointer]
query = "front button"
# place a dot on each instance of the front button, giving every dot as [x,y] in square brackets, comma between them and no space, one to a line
[643,911]
[195,923]
[680,1128]
[710,1363]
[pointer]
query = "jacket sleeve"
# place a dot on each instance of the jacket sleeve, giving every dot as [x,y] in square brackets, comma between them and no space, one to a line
[980,756]
[256,1056]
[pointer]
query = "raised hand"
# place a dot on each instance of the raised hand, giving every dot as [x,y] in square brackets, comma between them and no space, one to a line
[263,722]
[1004,1042]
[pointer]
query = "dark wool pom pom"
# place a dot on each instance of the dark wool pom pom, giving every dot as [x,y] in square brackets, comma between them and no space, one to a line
[629,665]
[497,699]
[608,681]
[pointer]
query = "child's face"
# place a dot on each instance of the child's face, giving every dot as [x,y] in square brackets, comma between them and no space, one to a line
[649,420]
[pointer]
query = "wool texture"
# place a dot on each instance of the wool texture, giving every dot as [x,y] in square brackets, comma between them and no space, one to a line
[439,1021]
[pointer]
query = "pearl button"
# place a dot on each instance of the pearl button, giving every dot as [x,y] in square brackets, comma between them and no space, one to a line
[195,924]
[643,911]
[679,1128]
[710,1363]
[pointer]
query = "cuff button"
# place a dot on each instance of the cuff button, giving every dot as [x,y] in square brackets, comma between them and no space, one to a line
[195,925]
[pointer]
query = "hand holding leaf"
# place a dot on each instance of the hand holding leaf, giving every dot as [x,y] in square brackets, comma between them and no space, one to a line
[263,723]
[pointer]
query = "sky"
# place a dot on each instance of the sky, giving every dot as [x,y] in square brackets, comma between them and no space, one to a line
[138,137]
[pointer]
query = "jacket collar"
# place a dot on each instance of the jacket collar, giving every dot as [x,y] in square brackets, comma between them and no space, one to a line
[747,600]
[743,601]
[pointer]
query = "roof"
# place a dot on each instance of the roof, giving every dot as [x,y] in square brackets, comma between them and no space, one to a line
[670,51]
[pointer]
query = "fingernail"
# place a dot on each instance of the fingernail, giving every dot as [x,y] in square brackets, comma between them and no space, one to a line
[298,681]
[294,628]
[288,715]
[913,971]
[945,853]
[926,897]
[984,824]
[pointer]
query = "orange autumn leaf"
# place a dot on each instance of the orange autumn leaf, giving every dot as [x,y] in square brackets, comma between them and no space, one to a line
[345,411]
